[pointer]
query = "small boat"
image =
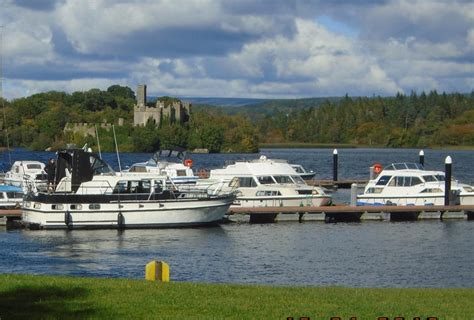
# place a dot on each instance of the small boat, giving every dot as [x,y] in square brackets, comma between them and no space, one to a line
[405,184]
[89,194]
[172,163]
[10,197]
[28,175]
[266,182]
[302,172]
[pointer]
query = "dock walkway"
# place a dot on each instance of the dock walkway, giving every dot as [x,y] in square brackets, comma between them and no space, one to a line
[341,213]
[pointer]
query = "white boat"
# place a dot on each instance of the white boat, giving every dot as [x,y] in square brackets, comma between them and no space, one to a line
[405,184]
[10,197]
[266,182]
[171,163]
[28,175]
[302,172]
[89,194]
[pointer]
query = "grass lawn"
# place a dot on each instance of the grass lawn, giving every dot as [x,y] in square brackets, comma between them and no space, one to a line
[47,297]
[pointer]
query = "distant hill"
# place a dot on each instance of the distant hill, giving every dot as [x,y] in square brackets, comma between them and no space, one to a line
[268,107]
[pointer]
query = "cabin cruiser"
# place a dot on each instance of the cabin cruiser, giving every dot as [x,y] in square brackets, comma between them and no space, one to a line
[89,194]
[405,184]
[171,163]
[302,172]
[10,197]
[28,175]
[266,182]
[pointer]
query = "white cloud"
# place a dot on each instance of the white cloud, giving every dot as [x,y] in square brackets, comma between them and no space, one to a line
[245,49]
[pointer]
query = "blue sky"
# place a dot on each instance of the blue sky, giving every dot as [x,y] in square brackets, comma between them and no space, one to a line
[241,48]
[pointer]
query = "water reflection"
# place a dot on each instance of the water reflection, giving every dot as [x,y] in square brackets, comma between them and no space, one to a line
[368,254]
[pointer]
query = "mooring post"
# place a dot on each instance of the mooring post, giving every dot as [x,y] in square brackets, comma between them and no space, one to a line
[354,195]
[422,157]
[447,180]
[334,165]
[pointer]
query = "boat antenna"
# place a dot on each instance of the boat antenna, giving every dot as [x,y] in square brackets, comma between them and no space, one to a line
[116,149]
[1,95]
[98,142]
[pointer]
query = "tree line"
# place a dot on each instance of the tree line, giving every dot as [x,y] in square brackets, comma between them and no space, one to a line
[417,120]
[37,122]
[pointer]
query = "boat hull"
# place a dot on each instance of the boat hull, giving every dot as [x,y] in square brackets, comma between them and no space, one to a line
[152,214]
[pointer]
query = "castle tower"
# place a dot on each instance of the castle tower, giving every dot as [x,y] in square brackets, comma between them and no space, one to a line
[141,95]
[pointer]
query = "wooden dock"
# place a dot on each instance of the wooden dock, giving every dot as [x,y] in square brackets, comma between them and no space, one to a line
[353,214]
[7,215]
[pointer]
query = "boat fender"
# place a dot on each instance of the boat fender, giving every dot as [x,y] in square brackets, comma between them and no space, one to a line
[67,218]
[377,168]
[188,163]
[120,220]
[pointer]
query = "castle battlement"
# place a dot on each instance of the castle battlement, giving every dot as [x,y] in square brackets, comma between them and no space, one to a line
[175,111]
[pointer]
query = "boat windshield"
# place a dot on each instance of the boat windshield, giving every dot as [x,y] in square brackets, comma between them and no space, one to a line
[99,166]
[283,179]
[298,180]
[33,166]
[298,169]
[265,180]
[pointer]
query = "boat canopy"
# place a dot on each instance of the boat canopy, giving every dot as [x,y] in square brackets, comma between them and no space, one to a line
[80,165]
[176,153]
[8,188]
[404,166]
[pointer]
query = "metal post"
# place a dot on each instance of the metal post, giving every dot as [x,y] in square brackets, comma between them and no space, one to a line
[447,181]
[353,194]
[422,157]
[334,165]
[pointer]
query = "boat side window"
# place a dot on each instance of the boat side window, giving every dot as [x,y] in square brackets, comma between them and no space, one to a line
[432,190]
[415,181]
[247,182]
[144,186]
[181,173]
[397,182]
[158,187]
[429,178]
[440,177]
[10,195]
[33,166]
[383,180]
[283,179]
[265,180]
[2,195]
[267,193]
[120,187]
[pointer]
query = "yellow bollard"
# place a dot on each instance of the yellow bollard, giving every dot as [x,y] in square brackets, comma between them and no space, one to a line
[157,271]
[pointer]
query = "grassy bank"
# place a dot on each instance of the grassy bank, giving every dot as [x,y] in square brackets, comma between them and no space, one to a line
[25,296]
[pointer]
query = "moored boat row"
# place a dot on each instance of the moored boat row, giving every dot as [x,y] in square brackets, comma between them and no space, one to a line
[162,192]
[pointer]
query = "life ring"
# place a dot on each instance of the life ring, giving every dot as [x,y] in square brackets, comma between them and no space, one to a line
[188,163]
[377,168]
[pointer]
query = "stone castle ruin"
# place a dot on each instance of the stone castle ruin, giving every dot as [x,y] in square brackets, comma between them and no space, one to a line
[170,112]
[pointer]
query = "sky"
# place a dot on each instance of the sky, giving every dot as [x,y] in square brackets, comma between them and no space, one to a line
[238,48]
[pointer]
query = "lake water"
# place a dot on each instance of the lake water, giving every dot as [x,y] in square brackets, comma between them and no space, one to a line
[367,254]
